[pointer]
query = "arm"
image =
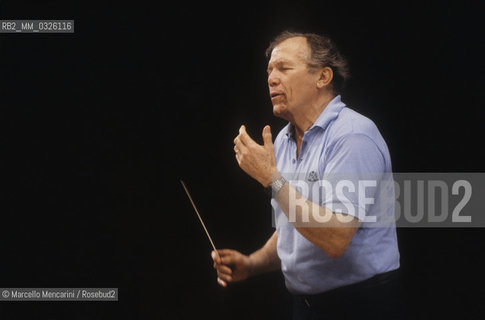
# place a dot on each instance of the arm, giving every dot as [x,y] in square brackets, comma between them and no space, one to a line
[334,235]
[259,162]
[266,259]
[233,266]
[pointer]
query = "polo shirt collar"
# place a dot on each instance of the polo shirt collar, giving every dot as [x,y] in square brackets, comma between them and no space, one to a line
[328,114]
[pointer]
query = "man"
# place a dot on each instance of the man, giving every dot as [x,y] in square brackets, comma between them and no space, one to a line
[334,266]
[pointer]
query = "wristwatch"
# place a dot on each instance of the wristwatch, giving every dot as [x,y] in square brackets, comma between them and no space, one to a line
[277,184]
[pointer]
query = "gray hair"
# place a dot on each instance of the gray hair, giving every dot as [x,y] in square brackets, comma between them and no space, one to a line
[323,53]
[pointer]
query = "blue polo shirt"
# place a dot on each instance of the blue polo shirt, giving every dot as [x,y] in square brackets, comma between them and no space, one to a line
[341,145]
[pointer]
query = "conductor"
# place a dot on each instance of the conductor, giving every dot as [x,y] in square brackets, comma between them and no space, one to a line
[334,266]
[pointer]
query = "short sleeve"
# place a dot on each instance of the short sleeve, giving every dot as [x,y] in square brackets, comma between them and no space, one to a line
[353,167]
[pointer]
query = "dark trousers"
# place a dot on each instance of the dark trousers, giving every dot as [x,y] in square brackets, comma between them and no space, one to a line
[380,297]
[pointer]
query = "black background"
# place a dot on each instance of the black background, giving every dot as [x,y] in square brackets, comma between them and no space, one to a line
[98,126]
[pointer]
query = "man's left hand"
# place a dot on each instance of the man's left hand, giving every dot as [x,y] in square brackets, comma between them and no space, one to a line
[256,160]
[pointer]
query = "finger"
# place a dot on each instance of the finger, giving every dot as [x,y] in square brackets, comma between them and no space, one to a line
[228,260]
[228,256]
[226,252]
[238,158]
[217,265]
[267,137]
[216,257]
[239,144]
[221,282]
[244,137]
[237,153]
[242,151]
[224,277]
[223,269]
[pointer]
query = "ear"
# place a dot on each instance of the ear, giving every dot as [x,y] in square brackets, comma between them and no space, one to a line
[326,76]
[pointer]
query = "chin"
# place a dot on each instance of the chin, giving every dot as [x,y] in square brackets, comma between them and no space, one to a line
[280,111]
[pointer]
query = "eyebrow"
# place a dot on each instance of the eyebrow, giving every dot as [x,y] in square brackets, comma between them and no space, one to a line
[278,63]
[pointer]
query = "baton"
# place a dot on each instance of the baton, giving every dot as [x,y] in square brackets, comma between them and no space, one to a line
[200,218]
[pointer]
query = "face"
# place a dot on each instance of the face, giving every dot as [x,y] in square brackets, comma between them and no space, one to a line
[291,86]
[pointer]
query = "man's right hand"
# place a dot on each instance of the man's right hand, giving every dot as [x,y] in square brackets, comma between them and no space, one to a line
[231,266]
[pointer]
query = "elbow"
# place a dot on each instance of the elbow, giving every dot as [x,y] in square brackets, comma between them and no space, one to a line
[336,242]
[334,254]
[337,250]
[340,243]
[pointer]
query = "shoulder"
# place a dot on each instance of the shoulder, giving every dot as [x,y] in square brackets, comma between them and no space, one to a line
[355,128]
[355,138]
[352,123]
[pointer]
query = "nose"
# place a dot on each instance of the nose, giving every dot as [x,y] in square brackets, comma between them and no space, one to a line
[273,79]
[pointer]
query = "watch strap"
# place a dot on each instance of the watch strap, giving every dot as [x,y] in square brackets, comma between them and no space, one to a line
[277,184]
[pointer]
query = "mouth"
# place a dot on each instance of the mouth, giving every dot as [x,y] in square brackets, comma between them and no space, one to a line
[274,95]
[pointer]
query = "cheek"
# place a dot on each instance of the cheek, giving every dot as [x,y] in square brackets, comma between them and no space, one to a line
[306,86]
[296,89]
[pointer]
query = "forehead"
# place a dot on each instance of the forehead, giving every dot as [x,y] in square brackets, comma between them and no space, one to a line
[292,49]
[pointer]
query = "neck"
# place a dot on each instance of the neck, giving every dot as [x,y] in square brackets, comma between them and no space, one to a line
[302,121]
